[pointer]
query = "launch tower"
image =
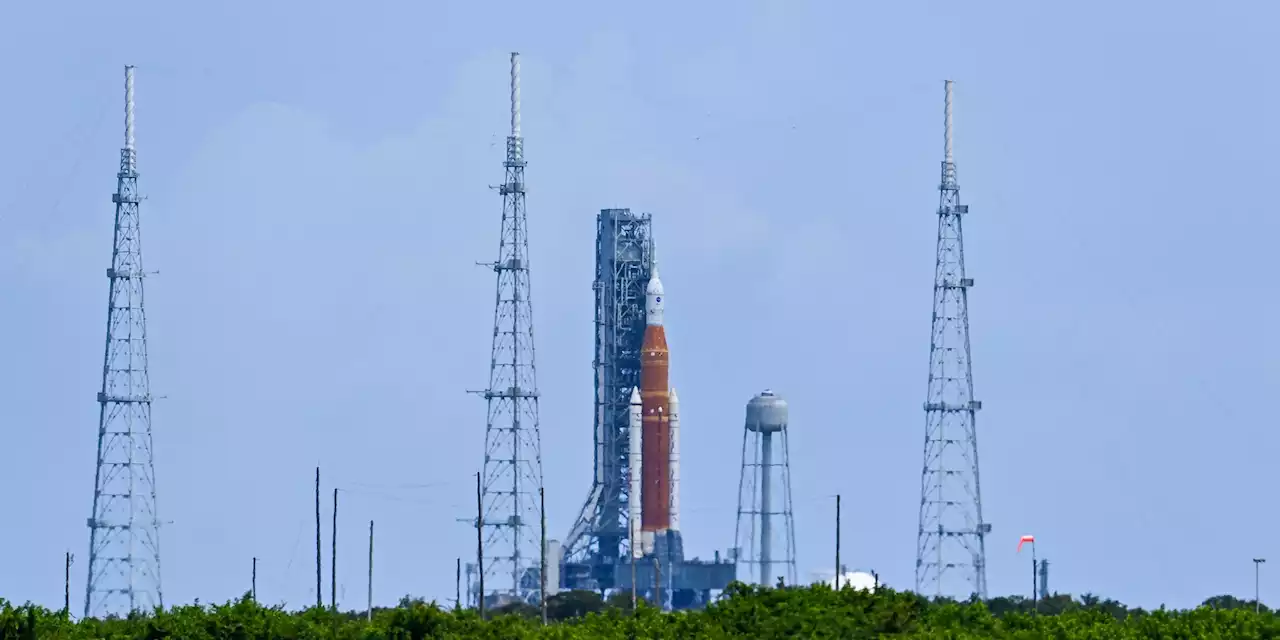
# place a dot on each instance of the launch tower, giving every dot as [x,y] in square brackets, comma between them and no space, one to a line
[599,538]
[512,473]
[765,470]
[124,531]
[616,537]
[950,548]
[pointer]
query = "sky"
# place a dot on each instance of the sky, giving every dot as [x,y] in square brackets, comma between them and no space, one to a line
[317,197]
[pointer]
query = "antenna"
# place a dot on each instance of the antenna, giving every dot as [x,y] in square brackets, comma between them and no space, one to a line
[128,109]
[512,475]
[947,125]
[124,528]
[515,95]
[952,532]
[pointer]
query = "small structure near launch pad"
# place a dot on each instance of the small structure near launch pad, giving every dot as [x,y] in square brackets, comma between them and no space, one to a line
[764,471]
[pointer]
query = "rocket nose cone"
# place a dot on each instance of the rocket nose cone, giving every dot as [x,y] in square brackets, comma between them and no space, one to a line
[635,395]
[672,398]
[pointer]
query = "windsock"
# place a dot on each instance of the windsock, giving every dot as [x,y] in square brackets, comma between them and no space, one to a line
[1025,539]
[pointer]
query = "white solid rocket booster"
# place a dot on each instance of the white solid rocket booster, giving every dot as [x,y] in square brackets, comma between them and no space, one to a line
[634,423]
[673,411]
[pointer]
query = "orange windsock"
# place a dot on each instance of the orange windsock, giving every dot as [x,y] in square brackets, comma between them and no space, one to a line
[1025,539]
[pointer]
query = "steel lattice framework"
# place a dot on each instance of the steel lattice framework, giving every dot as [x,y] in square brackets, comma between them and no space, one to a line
[512,474]
[763,472]
[951,538]
[124,542]
[624,251]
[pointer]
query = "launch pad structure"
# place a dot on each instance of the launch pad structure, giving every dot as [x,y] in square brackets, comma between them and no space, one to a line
[598,553]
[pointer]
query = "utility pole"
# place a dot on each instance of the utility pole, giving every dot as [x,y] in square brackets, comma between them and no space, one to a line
[333,557]
[1257,570]
[837,583]
[319,593]
[370,618]
[1023,540]
[457,586]
[542,573]
[1035,591]
[480,542]
[253,585]
[66,587]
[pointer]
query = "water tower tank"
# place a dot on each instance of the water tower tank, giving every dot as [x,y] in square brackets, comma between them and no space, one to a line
[767,413]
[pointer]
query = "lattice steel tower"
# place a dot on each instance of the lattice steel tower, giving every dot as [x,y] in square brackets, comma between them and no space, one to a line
[624,255]
[952,531]
[124,540]
[512,458]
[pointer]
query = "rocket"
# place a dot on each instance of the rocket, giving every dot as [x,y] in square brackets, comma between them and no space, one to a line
[655,438]
[654,425]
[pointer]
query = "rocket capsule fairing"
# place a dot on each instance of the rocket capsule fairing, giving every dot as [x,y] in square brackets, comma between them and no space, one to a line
[656,437]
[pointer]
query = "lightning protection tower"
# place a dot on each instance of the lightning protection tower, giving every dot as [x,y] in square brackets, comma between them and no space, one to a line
[124,541]
[950,548]
[512,457]
[764,471]
[624,251]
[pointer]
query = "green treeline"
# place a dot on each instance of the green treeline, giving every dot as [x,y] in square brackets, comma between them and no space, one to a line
[748,612]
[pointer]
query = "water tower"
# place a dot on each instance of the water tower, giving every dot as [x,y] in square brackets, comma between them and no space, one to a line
[766,533]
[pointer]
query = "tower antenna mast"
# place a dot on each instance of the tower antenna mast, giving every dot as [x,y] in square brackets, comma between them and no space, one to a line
[952,532]
[512,474]
[124,530]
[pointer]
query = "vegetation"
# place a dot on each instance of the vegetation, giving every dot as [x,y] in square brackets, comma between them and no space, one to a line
[748,612]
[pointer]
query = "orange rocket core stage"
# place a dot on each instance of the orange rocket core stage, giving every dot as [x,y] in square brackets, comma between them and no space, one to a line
[655,470]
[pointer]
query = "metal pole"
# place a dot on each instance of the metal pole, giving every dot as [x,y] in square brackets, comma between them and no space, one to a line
[319,592]
[1257,601]
[542,595]
[370,616]
[837,542]
[1035,594]
[633,582]
[253,584]
[480,543]
[66,588]
[333,561]
[457,586]
[766,505]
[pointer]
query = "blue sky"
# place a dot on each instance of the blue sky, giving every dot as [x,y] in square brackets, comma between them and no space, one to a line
[317,198]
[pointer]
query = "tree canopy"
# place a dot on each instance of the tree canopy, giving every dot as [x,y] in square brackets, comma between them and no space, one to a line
[745,612]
